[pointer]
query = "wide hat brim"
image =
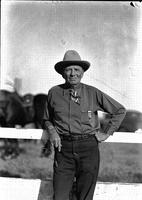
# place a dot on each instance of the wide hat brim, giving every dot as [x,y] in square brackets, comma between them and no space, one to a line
[60,66]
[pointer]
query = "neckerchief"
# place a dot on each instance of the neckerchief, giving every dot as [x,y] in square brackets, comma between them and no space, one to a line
[74,96]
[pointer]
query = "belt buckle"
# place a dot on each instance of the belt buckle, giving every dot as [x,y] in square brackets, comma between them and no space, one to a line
[86,136]
[79,137]
[74,137]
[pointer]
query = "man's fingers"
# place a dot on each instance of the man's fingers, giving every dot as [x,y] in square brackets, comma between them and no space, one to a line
[59,148]
[101,137]
[57,141]
[57,144]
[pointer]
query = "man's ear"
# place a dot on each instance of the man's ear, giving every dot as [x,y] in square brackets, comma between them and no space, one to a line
[82,73]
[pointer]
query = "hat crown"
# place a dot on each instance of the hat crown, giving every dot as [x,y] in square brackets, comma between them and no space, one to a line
[71,55]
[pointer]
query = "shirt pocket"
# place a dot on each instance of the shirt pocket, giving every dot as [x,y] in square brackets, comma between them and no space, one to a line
[90,117]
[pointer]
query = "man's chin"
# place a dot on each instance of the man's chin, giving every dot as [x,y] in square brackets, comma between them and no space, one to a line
[73,83]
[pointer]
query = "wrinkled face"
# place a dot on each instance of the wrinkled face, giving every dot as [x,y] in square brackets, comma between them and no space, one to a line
[73,74]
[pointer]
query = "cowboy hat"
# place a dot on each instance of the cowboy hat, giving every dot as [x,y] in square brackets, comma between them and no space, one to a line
[71,57]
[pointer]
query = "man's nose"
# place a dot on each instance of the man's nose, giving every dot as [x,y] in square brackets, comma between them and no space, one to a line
[72,72]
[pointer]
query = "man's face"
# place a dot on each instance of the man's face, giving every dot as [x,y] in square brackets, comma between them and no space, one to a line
[73,74]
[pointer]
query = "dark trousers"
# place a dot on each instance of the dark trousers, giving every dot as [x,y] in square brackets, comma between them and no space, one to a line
[78,160]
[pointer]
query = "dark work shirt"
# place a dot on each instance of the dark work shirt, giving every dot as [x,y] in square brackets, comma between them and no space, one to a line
[69,117]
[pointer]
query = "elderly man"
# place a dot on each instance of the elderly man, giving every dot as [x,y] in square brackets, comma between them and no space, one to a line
[71,119]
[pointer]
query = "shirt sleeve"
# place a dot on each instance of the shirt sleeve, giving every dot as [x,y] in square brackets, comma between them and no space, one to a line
[47,121]
[112,107]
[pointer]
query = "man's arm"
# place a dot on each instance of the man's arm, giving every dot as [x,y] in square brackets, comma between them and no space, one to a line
[47,124]
[115,109]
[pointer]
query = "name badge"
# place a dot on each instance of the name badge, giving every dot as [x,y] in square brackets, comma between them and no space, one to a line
[89,114]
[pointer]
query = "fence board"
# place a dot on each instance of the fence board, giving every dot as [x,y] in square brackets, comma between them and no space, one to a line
[25,189]
[17,188]
[118,137]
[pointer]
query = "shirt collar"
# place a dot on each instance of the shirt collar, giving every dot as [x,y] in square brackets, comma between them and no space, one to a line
[66,89]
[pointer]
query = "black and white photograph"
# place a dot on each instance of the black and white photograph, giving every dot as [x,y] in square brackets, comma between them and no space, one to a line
[70,100]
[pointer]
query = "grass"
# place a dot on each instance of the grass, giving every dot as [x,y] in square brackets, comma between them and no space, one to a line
[119,163]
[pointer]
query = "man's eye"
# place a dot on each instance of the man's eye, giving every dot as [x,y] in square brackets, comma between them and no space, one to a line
[68,70]
[77,70]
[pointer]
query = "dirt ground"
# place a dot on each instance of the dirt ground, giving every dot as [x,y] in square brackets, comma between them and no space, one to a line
[119,163]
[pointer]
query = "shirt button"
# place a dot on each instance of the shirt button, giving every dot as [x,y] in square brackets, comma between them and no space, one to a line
[75,154]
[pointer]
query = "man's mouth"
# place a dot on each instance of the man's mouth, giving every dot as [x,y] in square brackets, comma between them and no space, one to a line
[72,79]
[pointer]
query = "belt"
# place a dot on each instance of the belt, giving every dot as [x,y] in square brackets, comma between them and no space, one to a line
[77,137]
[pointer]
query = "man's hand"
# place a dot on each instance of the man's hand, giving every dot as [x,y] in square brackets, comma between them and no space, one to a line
[44,137]
[101,136]
[55,140]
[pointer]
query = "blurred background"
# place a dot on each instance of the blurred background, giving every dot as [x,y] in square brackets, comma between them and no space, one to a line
[36,34]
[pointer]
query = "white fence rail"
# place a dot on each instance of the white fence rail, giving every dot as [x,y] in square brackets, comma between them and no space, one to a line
[17,188]
[118,137]
[26,189]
